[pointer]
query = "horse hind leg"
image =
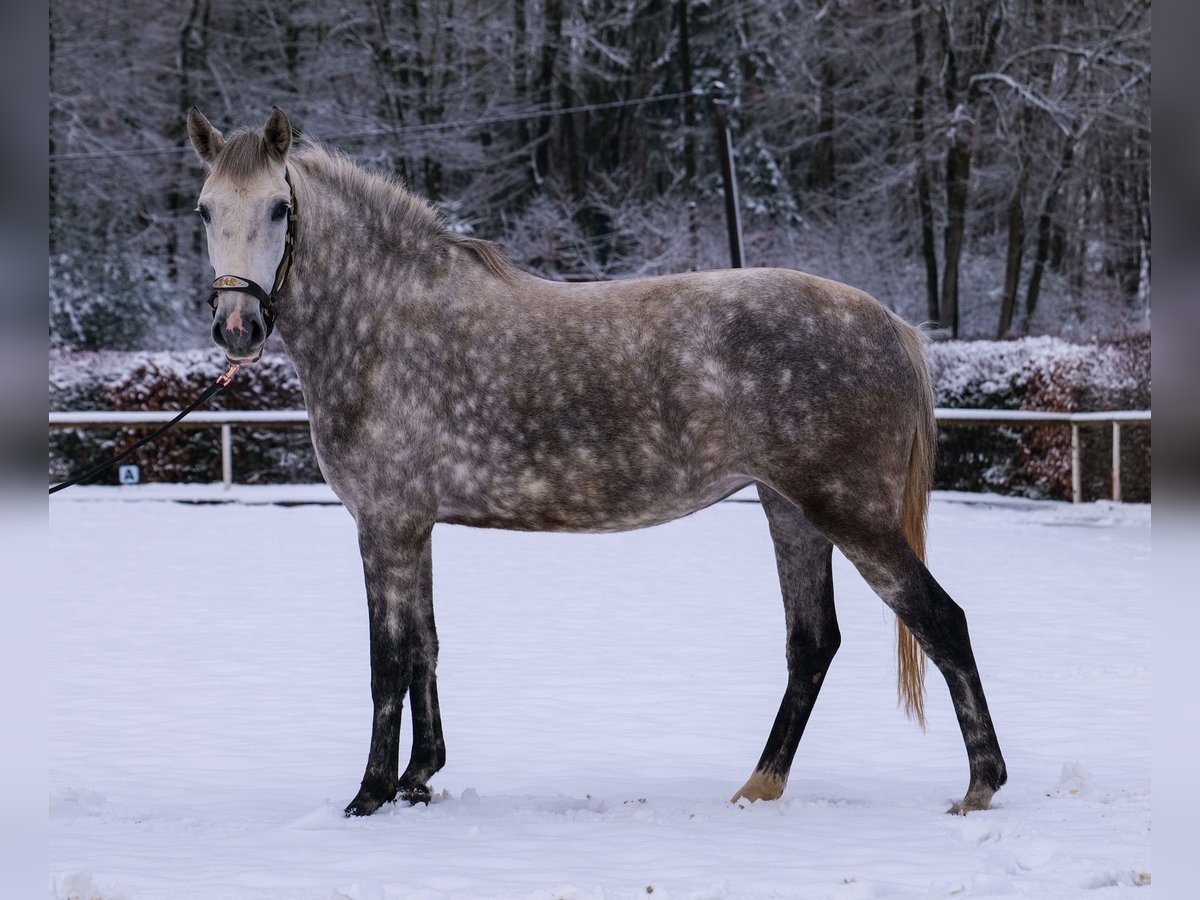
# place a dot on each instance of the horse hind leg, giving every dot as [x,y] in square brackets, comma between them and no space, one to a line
[884,558]
[804,559]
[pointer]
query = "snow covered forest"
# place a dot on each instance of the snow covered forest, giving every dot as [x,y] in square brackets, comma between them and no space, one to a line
[981,165]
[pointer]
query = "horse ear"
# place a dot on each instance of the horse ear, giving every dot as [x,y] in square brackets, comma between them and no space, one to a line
[206,140]
[278,134]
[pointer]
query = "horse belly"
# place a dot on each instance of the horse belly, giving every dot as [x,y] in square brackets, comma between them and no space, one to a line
[538,503]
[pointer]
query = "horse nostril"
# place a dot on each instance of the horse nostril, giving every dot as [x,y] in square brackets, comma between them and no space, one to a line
[256,333]
[218,333]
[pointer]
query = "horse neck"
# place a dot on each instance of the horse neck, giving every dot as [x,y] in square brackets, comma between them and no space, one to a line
[340,279]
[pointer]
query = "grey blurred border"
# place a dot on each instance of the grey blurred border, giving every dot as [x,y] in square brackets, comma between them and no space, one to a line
[24,64]
[1175,176]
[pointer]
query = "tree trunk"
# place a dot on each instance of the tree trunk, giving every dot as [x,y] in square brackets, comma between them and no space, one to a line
[689,109]
[439,69]
[393,79]
[1041,253]
[961,99]
[192,56]
[958,173]
[1015,219]
[291,43]
[924,198]
[53,217]
[572,125]
[825,172]
[520,70]
[550,45]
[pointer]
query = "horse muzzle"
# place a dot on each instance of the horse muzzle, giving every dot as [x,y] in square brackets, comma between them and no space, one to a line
[238,326]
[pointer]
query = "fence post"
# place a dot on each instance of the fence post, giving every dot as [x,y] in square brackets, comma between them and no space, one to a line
[1116,462]
[227,456]
[1076,474]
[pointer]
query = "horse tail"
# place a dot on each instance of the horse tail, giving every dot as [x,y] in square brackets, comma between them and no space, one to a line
[911,661]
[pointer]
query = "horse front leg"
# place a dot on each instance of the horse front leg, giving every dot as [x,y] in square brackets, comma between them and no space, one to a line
[804,558]
[429,747]
[392,557]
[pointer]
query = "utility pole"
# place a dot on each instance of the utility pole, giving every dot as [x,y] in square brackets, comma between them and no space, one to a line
[733,215]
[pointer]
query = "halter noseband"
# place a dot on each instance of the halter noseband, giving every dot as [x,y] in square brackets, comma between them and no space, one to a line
[246,286]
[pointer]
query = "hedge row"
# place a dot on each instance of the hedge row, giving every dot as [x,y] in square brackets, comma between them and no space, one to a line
[1042,374]
[107,380]
[1033,373]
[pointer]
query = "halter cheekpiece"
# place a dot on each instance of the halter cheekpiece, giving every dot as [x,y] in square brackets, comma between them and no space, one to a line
[246,286]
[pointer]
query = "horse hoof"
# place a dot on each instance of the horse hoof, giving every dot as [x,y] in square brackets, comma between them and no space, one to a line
[416,793]
[367,802]
[761,786]
[974,802]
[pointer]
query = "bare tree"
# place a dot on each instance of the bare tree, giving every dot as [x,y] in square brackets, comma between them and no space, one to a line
[980,164]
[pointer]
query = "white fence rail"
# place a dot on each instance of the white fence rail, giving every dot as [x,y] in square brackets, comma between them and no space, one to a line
[1077,420]
[294,418]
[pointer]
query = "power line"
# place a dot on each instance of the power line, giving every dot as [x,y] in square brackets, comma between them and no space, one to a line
[404,131]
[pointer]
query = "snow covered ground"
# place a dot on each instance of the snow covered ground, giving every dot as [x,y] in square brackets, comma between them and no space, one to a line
[603,696]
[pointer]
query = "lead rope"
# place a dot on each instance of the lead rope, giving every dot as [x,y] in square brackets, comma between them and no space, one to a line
[209,392]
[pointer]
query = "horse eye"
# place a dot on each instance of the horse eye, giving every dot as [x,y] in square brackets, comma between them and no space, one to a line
[280,210]
[204,213]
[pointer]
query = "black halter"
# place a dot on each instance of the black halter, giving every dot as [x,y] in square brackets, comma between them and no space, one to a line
[246,286]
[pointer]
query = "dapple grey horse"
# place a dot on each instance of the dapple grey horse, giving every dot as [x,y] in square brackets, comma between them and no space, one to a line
[444,385]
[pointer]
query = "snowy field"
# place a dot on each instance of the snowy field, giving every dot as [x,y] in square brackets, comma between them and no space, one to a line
[603,697]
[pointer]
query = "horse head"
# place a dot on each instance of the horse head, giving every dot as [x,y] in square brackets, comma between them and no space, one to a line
[247,204]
